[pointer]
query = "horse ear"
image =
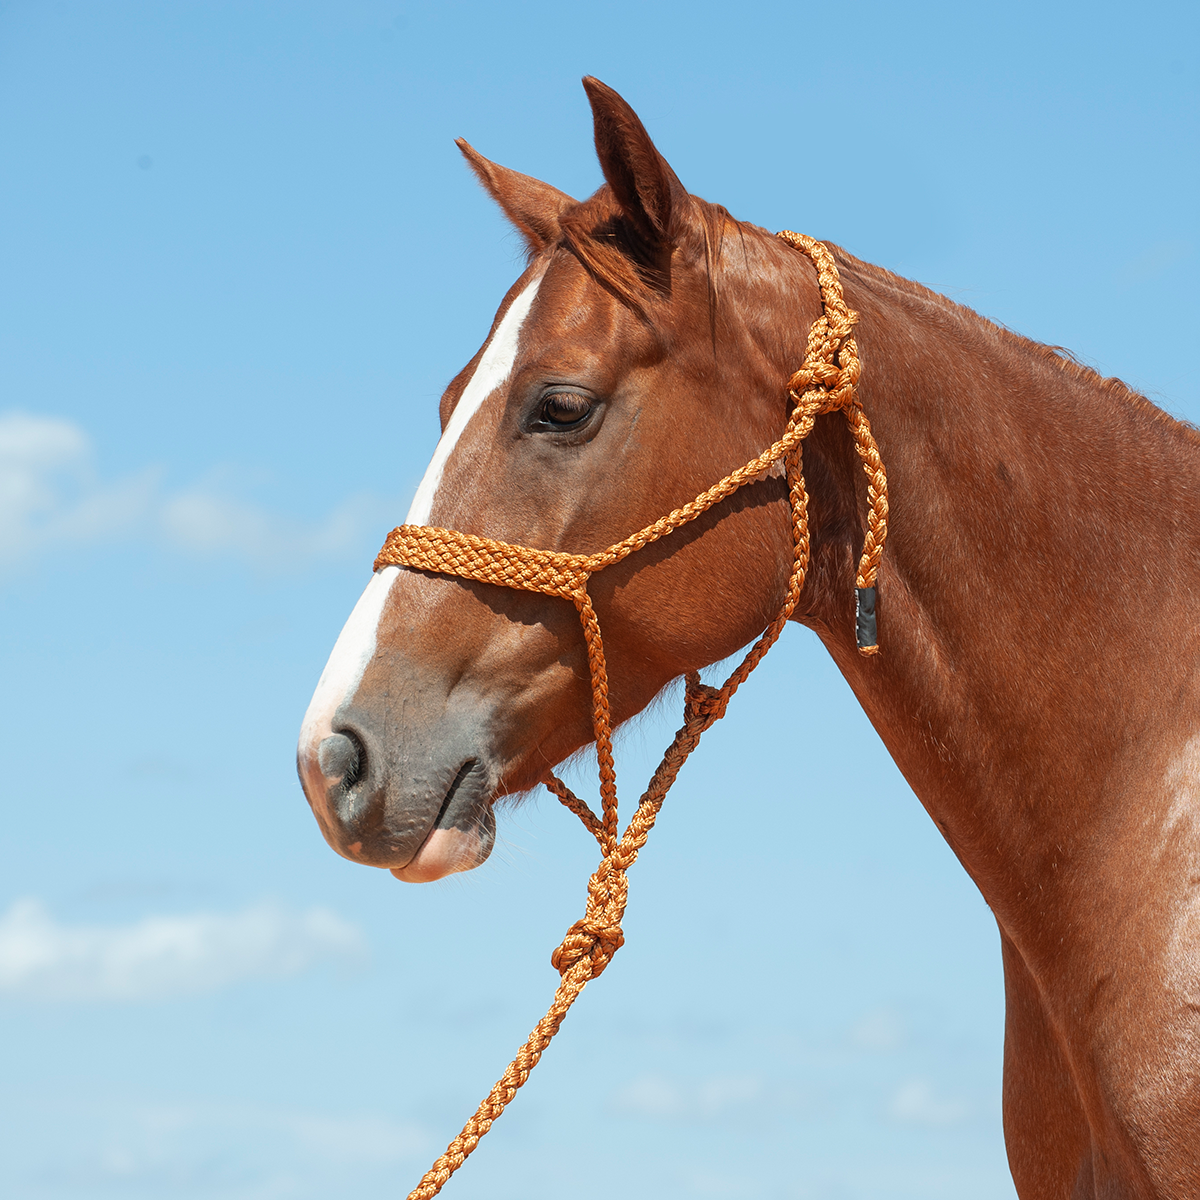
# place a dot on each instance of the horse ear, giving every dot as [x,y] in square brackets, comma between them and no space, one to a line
[532,206]
[648,191]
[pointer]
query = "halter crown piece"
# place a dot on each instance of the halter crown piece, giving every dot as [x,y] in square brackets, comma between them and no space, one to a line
[824,383]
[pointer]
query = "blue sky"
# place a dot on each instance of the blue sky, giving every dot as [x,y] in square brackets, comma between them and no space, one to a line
[239,259]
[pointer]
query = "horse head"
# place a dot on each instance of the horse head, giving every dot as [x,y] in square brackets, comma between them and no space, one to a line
[638,359]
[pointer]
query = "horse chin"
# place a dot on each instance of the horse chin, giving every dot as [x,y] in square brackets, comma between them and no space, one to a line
[446,851]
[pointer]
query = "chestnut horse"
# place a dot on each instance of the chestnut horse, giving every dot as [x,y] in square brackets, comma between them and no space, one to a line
[1037,682]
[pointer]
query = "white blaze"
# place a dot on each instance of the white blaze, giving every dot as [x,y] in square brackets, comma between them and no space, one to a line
[344,671]
[355,646]
[494,366]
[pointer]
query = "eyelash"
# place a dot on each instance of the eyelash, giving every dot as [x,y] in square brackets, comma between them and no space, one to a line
[575,412]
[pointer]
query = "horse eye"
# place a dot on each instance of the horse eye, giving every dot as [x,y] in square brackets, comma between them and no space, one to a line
[565,408]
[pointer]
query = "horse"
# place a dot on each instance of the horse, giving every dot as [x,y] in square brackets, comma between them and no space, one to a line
[1037,679]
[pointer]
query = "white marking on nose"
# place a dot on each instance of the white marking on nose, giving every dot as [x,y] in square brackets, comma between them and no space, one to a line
[494,367]
[352,651]
[355,646]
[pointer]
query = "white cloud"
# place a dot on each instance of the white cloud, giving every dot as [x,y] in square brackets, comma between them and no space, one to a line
[1155,261]
[209,522]
[882,1029]
[651,1096]
[53,501]
[357,1139]
[49,494]
[227,1149]
[159,957]
[723,1186]
[916,1103]
[40,441]
[669,1099]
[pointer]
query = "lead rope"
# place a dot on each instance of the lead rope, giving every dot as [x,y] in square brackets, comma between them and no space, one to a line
[824,383]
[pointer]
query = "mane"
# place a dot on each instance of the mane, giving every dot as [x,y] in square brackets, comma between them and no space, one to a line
[1058,357]
[611,251]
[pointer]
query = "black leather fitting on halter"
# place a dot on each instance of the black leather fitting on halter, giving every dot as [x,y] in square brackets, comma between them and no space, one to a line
[864,616]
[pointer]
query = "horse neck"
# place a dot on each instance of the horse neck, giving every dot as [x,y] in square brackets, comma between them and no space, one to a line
[1034,602]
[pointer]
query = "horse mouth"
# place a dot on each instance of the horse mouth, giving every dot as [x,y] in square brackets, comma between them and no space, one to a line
[462,834]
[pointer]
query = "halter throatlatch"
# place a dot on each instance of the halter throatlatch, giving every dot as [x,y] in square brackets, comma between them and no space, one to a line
[824,383]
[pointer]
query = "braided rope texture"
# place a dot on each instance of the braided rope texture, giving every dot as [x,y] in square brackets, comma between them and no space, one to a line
[826,382]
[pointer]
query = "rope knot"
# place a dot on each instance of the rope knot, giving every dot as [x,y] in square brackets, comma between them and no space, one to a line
[837,383]
[703,703]
[596,938]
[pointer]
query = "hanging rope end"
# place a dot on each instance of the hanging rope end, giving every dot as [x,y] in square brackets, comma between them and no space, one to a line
[864,619]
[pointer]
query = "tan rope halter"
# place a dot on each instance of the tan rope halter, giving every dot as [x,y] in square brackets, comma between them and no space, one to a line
[824,383]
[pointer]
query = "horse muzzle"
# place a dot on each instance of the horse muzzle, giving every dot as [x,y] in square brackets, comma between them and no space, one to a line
[419,807]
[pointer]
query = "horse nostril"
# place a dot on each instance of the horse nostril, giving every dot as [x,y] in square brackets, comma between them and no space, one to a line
[341,757]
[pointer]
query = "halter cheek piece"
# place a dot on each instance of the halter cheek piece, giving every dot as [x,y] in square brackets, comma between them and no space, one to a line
[824,383]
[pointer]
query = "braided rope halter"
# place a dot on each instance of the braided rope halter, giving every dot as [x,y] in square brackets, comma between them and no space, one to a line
[824,383]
